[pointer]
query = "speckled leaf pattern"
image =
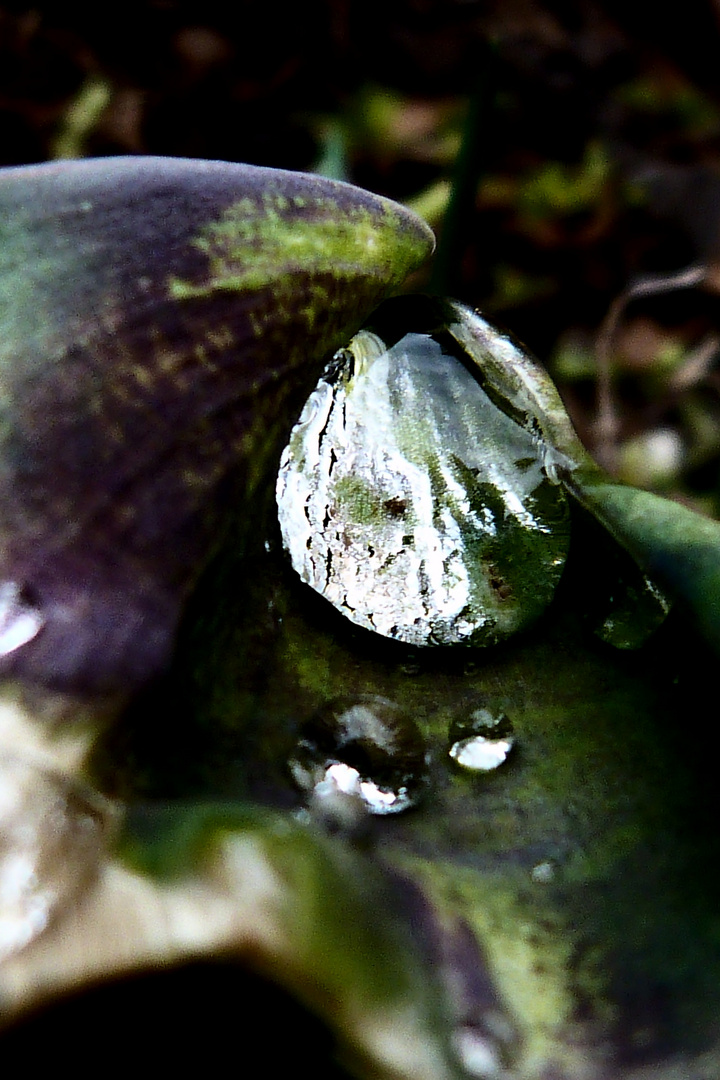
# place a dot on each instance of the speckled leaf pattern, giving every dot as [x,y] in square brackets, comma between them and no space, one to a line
[161,322]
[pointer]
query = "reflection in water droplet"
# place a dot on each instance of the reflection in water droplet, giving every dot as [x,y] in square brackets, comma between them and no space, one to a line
[480,754]
[20,622]
[366,750]
[477,1054]
[51,838]
[483,742]
[411,501]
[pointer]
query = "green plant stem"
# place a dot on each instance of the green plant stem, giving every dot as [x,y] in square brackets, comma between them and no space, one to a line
[469,164]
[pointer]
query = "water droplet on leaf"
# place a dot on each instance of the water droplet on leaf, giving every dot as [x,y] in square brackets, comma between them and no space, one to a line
[20,622]
[633,610]
[483,742]
[543,873]
[366,750]
[412,502]
[478,1055]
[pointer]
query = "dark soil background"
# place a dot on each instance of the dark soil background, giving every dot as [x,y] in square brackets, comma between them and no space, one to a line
[567,155]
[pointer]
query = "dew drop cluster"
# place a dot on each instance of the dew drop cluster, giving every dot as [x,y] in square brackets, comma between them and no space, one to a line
[367,754]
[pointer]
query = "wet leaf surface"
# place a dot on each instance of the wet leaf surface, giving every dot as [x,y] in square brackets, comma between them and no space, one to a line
[554,917]
[160,318]
[582,867]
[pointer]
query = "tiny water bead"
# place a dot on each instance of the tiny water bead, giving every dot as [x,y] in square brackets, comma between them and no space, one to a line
[367,749]
[410,500]
[543,873]
[20,621]
[483,742]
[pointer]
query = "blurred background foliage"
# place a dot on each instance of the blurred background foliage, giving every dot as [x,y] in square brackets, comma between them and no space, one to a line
[567,155]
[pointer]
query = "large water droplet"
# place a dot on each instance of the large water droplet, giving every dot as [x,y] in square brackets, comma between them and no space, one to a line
[483,742]
[412,502]
[366,749]
[51,838]
[20,622]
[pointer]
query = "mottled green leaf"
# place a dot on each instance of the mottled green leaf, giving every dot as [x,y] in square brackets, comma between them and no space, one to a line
[570,896]
[675,546]
[161,320]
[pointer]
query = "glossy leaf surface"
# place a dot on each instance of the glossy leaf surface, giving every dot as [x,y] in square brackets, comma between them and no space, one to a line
[579,875]
[161,322]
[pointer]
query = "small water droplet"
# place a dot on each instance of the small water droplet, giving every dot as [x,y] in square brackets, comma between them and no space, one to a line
[360,752]
[20,622]
[478,1055]
[483,742]
[543,873]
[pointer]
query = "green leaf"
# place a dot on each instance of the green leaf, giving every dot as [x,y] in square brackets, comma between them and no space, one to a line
[569,901]
[675,546]
[162,320]
[557,916]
